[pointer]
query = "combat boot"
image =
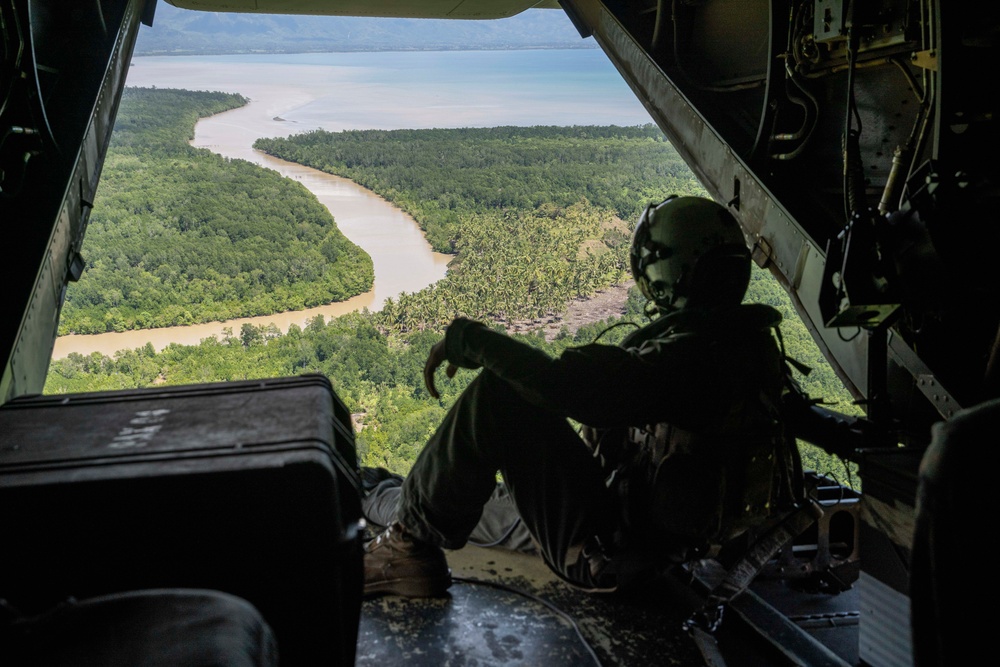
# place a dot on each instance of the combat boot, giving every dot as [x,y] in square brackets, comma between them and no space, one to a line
[396,563]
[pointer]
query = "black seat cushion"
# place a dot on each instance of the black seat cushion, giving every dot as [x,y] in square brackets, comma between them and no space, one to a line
[151,628]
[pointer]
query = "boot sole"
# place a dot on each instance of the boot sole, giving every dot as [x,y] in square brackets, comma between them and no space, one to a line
[410,588]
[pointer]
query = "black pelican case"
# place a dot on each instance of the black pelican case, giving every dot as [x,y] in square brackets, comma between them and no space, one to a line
[246,487]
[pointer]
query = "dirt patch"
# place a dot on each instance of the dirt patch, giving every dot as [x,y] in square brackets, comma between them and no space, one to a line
[584,310]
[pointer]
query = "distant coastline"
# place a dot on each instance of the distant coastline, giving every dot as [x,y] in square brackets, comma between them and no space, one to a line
[361,90]
[330,49]
[177,31]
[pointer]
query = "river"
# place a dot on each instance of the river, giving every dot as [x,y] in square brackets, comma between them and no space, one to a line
[293,93]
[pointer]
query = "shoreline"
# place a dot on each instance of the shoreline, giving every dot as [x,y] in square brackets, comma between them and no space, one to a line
[585,46]
[578,313]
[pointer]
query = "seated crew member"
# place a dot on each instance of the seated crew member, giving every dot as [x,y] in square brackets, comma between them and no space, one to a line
[681,451]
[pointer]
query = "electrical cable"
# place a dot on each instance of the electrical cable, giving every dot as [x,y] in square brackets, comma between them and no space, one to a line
[655,42]
[809,122]
[503,538]
[534,598]
[615,326]
[915,86]
[596,338]
[849,339]
[683,72]
[808,102]
[12,60]
[853,169]
[38,84]
[847,468]
[100,17]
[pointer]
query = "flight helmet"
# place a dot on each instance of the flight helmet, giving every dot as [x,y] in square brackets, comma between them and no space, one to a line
[689,251]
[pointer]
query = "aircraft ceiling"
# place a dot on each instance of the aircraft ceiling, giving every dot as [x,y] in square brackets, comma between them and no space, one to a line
[439,9]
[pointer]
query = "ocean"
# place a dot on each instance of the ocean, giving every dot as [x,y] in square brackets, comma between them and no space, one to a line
[413,89]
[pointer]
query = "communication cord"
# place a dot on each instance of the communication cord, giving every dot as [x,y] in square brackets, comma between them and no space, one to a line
[534,598]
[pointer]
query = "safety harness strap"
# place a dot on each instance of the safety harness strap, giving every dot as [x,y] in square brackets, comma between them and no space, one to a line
[703,623]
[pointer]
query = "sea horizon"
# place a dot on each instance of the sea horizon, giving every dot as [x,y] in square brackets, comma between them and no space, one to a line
[424,89]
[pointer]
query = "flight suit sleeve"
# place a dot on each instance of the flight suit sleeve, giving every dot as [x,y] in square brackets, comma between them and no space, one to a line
[599,385]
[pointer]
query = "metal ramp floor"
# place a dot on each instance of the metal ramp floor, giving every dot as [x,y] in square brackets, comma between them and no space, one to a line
[507,608]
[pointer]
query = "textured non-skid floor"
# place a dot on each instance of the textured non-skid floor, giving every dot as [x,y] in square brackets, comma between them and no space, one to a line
[507,609]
